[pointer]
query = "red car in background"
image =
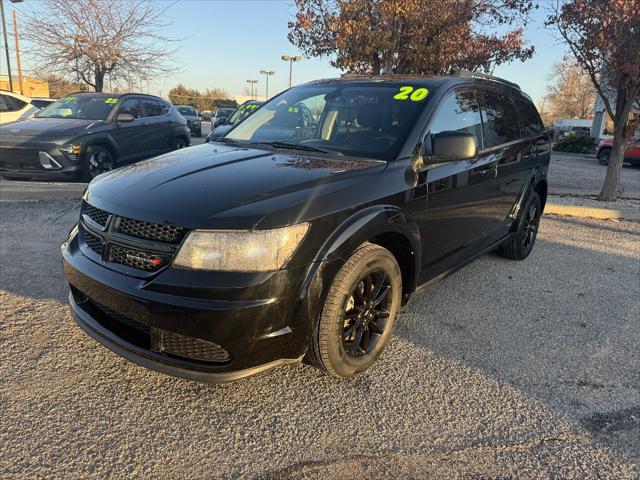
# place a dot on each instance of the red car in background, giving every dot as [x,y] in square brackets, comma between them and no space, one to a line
[631,154]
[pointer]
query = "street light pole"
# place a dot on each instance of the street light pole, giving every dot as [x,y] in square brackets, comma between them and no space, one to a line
[15,32]
[267,73]
[291,59]
[252,83]
[6,45]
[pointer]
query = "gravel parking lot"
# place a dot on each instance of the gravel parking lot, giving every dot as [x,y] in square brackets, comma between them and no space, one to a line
[505,370]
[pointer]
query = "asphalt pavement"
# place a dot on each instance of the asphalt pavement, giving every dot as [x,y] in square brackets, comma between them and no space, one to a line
[505,370]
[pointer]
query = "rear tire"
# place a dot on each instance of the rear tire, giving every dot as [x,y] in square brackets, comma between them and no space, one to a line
[178,143]
[603,156]
[359,313]
[520,244]
[199,133]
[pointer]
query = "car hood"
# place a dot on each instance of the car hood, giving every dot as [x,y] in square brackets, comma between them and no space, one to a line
[221,186]
[220,131]
[48,127]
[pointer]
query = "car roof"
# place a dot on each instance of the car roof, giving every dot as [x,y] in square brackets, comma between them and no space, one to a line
[114,95]
[14,94]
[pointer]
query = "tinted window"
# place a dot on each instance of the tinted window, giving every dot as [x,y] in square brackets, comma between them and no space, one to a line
[132,107]
[459,113]
[189,111]
[4,107]
[529,117]
[153,108]
[501,123]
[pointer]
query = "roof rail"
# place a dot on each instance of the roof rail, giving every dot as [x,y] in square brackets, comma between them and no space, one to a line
[467,73]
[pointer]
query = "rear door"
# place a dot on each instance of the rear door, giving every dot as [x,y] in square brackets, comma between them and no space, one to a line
[460,215]
[503,140]
[159,127]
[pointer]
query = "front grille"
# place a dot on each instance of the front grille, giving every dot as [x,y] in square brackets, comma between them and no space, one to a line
[93,242]
[124,241]
[95,214]
[151,231]
[123,319]
[135,258]
[193,348]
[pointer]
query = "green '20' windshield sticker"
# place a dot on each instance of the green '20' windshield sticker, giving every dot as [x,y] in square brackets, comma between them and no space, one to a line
[409,93]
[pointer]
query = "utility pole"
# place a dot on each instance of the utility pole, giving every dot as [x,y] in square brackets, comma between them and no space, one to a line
[15,32]
[6,45]
[291,59]
[267,73]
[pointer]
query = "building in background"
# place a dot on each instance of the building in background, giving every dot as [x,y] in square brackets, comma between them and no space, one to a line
[31,87]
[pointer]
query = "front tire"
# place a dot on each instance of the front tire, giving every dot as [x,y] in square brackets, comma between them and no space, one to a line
[178,143]
[359,313]
[603,156]
[97,160]
[520,244]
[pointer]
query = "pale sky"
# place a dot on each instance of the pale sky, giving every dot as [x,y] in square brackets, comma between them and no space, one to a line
[225,43]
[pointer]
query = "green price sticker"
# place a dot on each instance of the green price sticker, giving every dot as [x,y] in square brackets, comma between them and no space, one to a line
[409,93]
[293,109]
[111,101]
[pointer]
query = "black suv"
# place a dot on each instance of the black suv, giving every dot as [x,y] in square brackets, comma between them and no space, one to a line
[192,117]
[85,134]
[294,237]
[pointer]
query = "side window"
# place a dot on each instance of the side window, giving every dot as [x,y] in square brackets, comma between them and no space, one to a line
[500,119]
[153,108]
[10,104]
[132,107]
[459,113]
[529,117]
[4,106]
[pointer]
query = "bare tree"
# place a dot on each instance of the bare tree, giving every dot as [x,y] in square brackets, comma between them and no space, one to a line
[570,93]
[85,40]
[604,38]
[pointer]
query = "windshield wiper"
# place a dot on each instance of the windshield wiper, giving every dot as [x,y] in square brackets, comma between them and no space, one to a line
[299,146]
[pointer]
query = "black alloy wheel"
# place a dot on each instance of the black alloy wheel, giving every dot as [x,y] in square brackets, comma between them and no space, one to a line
[530,226]
[366,314]
[520,243]
[99,160]
[604,156]
[358,313]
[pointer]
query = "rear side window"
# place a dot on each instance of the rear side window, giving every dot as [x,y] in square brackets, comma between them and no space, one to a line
[459,113]
[529,117]
[10,104]
[501,123]
[132,107]
[153,108]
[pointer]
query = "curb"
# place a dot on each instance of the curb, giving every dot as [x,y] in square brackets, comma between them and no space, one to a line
[592,212]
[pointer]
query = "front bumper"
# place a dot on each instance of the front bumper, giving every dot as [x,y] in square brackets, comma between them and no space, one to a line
[260,322]
[23,160]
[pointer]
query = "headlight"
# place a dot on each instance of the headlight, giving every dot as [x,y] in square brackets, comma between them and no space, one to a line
[240,251]
[71,151]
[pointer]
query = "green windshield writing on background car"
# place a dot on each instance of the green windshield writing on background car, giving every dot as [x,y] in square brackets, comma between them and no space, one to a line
[242,112]
[367,120]
[80,107]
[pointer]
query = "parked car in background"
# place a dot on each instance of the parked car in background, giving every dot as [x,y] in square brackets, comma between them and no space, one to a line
[14,106]
[42,103]
[85,134]
[240,113]
[221,116]
[577,130]
[294,237]
[631,153]
[205,116]
[192,117]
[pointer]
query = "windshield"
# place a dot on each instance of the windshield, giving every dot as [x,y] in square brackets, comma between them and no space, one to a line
[81,106]
[370,120]
[189,111]
[242,112]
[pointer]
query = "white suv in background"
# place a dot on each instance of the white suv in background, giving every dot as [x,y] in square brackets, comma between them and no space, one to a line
[14,106]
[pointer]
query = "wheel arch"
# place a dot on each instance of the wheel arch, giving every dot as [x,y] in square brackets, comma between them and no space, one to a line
[384,225]
[107,143]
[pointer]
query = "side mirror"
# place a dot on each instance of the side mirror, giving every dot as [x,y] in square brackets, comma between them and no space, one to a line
[452,146]
[125,118]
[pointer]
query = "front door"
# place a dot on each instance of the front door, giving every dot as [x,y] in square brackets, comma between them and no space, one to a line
[460,214]
[130,137]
